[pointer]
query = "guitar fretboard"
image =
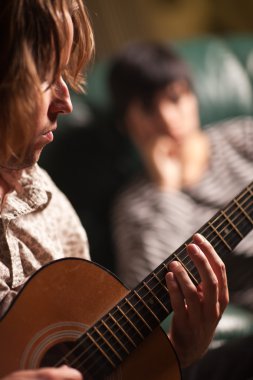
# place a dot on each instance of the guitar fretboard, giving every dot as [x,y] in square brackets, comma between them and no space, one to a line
[107,343]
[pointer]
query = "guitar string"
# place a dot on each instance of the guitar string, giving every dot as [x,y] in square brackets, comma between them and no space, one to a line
[208,236]
[228,224]
[235,210]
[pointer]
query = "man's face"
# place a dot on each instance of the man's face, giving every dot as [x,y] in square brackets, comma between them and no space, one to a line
[54,100]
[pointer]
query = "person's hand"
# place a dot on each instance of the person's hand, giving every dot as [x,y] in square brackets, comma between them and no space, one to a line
[61,373]
[163,162]
[197,310]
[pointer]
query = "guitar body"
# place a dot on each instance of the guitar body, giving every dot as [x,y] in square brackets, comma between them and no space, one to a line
[58,304]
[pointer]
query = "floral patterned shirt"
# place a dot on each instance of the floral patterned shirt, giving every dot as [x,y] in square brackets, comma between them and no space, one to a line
[37,225]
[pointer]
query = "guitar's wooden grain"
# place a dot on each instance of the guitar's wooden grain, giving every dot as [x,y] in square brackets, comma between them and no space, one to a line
[63,298]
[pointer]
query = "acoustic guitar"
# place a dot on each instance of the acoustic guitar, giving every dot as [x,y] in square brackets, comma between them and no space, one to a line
[74,312]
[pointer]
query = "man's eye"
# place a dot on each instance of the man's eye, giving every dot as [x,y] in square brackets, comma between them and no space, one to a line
[45,86]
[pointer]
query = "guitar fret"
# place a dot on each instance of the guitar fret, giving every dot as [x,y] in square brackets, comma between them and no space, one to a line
[231,230]
[156,280]
[134,310]
[100,349]
[115,336]
[232,224]
[221,238]
[136,315]
[146,305]
[160,282]
[121,328]
[165,267]
[108,343]
[131,323]
[157,299]
[190,271]
[156,283]
[243,211]
[118,335]
[139,315]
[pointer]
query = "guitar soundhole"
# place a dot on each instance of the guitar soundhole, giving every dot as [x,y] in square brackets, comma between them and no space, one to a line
[56,354]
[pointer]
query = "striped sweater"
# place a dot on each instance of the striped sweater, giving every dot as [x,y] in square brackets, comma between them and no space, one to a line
[149,224]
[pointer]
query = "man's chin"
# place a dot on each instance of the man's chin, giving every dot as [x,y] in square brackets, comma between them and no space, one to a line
[29,161]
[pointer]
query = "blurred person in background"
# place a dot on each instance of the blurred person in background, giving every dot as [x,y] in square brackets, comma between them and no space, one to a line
[189,171]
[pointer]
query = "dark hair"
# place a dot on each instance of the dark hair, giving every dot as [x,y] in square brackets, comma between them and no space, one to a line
[142,69]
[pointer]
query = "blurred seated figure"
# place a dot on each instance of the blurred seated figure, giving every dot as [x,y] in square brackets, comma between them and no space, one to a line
[189,171]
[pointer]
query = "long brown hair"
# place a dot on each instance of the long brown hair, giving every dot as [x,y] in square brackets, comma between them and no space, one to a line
[32,37]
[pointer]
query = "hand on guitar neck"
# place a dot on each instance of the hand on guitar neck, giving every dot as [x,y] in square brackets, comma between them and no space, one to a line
[197,310]
[60,373]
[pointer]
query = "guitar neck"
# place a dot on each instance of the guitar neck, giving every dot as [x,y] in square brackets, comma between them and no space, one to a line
[121,330]
[224,231]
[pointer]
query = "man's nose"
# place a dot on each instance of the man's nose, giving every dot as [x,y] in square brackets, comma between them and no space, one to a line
[62,101]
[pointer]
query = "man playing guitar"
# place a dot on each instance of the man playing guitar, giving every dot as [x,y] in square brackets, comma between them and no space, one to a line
[45,43]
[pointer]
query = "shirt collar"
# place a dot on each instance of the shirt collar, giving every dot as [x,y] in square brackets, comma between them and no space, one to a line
[31,193]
